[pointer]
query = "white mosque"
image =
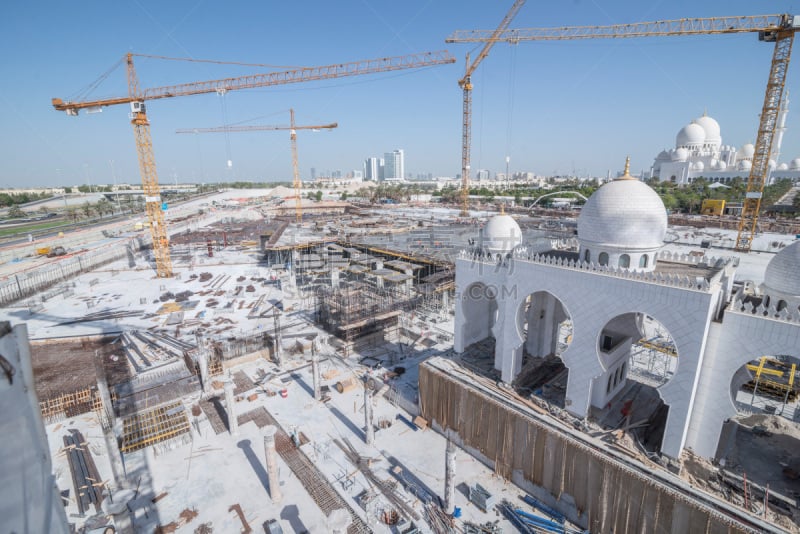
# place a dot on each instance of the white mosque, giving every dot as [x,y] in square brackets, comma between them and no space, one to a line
[699,152]
[607,292]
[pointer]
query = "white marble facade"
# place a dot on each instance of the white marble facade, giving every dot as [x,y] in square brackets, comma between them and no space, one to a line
[520,298]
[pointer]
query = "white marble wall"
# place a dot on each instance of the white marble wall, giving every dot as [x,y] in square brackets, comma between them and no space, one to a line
[592,298]
[742,337]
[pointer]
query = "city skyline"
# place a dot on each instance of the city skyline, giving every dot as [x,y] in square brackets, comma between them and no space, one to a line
[552,108]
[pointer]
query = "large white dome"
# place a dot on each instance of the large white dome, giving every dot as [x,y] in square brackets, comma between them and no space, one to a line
[746,152]
[501,234]
[711,129]
[625,214]
[783,271]
[691,135]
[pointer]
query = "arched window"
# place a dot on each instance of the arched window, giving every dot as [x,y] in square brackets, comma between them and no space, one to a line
[781,305]
[643,260]
[608,387]
[622,373]
[603,258]
[586,256]
[624,261]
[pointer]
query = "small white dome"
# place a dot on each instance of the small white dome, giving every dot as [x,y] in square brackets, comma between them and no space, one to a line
[771,164]
[783,167]
[663,156]
[698,166]
[795,165]
[721,165]
[714,164]
[501,234]
[746,152]
[711,128]
[691,135]
[680,154]
[744,165]
[783,271]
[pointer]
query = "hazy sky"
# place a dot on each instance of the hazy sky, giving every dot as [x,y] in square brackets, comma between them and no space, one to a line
[551,107]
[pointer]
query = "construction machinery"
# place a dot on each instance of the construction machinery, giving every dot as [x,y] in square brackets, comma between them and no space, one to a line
[137,97]
[292,127]
[778,29]
[466,120]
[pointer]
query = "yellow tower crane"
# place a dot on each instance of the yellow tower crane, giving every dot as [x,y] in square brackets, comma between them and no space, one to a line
[778,29]
[292,127]
[141,125]
[466,119]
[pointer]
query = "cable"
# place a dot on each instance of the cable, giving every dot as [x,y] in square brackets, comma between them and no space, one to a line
[218,62]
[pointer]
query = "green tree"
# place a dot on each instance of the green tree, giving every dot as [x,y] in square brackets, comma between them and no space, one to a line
[87,209]
[104,206]
[15,212]
[318,196]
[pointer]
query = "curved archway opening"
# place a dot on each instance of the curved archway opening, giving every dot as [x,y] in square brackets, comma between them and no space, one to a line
[479,304]
[639,356]
[545,326]
[766,395]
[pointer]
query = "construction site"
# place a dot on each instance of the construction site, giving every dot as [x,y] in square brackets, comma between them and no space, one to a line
[344,345]
[259,361]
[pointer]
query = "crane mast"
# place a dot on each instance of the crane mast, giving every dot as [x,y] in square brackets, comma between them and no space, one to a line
[141,125]
[779,29]
[298,184]
[466,117]
[149,174]
[298,204]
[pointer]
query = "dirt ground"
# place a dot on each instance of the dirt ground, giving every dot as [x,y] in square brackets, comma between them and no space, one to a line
[768,457]
[65,366]
[765,457]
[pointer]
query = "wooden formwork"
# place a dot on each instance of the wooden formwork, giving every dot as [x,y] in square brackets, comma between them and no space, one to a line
[154,426]
[71,404]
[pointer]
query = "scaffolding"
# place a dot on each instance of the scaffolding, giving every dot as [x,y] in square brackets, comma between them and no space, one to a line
[360,314]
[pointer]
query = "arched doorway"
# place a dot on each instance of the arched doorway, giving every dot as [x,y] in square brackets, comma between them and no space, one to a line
[639,356]
[545,327]
[756,441]
[479,305]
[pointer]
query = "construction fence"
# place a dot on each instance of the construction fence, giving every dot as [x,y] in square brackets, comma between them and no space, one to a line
[25,284]
[608,496]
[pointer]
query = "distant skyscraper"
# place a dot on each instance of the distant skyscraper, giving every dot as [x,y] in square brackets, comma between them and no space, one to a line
[372,169]
[394,165]
[313,173]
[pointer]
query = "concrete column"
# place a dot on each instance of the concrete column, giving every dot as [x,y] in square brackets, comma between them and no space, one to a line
[449,476]
[370,430]
[445,303]
[271,457]
[339,521]
[233,423]
[315,373]
[202,360]
[334,278]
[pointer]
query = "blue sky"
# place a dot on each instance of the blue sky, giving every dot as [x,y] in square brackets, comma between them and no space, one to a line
[551,107]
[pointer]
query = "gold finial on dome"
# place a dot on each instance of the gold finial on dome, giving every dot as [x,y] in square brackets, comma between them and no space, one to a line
[627,174]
